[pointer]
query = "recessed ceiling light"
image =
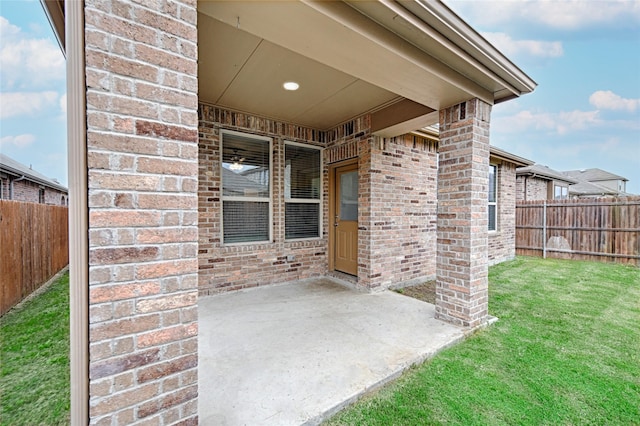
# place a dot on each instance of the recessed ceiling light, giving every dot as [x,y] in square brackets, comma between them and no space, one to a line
[291,85]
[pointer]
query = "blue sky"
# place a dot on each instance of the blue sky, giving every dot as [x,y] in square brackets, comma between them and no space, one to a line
[584,55]
[32,90]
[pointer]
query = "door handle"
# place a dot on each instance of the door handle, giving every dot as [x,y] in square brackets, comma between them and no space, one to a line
[335,223]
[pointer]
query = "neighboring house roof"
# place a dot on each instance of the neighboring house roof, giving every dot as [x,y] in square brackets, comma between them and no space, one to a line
[10,166]
[507,156]
[239,185]
[544,172]
[589,188]
[593,175]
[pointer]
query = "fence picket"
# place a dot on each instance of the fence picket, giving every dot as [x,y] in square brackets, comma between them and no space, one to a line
[35,246]
[603,229]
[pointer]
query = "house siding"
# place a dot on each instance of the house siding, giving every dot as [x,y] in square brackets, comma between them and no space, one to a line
[28,191]
[399,211]
[142,157]
[502,242]
[396,212]
[529,188]
[231,267]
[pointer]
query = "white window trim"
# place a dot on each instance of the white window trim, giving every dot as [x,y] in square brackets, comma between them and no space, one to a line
[303,200]
[224,198]
[561,187]
[494,203]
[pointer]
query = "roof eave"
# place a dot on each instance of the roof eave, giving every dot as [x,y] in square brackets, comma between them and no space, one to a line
[461,35]
[15,172]
[54,9]
[507,156]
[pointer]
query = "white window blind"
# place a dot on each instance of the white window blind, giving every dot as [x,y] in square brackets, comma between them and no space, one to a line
[302,192]
[246,188]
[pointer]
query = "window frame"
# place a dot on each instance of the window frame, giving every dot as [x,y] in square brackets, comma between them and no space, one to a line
[493,203]
[286,200]
[564,192]
[224,198]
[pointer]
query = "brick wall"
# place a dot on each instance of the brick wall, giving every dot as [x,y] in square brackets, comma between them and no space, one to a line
[4,188]
[25,190]
[529,188]
[141,74]
[461,266]
[399,211]
[502,242]
[29,191]
[397,206]
[53,196]
[230,267]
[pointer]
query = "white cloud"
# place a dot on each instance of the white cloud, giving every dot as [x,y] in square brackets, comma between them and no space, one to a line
[20,141]
[576,14]
[63,104]
[15,104]
[27,61]
[606,99]
[554,14]
[560,123]
[537,48]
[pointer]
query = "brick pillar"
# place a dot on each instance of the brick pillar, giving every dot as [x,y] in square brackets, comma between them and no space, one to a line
[463,167]
[142,158]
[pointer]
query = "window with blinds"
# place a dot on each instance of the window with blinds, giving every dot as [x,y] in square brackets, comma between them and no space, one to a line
[246,188]
[302,191]
[493,196]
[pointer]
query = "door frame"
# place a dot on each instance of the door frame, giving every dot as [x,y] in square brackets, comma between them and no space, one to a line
[332,208]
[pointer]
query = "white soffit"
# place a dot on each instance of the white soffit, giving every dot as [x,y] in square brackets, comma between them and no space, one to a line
[243,72]
[341,37]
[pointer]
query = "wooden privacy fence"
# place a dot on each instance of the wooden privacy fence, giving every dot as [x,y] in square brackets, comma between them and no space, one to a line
[34,246]
[603,229]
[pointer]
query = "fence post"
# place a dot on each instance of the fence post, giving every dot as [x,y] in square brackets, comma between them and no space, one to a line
[544,230]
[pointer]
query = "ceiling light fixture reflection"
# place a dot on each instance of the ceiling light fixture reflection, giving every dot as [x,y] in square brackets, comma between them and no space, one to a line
[235,166]
[291,85]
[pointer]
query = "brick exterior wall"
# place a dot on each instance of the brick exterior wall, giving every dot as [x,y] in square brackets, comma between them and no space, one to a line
[529,188]
[461,266]
[29,191]
[4,188]
[399,211]
[397,206]
[231,267]
[141,74]
[502,242]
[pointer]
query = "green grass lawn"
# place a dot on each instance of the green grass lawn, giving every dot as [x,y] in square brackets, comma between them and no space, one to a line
[566,351]
[34,360]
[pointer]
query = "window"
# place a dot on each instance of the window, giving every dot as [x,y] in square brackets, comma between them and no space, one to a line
[302,189]
[41,195]
[560,192]
[493,196]
[246,188]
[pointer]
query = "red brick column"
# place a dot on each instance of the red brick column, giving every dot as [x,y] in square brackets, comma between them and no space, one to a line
[141,76]
[463,167]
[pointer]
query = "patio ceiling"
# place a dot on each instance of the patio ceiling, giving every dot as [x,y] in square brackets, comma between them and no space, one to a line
[244,72]
[404,61]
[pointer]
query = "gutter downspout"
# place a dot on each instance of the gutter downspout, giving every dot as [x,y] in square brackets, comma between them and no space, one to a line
[11,186]
[78,212]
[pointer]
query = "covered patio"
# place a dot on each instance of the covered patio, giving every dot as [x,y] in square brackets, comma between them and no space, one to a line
[167,100]
[298,352]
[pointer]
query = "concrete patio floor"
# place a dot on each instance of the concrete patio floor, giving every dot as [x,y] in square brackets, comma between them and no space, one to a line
[297,353]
